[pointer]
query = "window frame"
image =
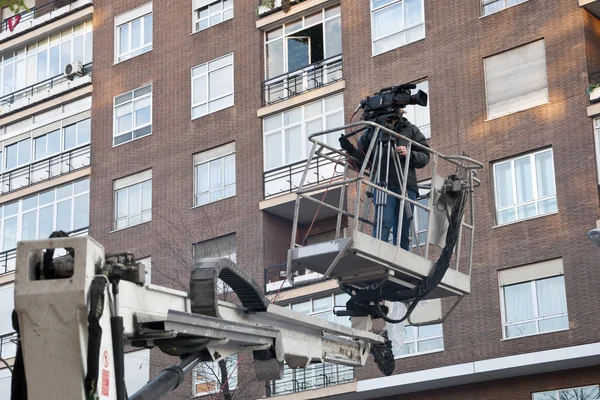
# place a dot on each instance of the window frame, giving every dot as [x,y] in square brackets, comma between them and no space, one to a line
[222,189]
[132,102]
[534,185]
[127,18]
[557,392]
[535,305]
[139,181]
[597,145]
[207,74]
[234,372]
[285,35]
[417,339]
[283,128]
[484,3]
[196,18]
[391,3]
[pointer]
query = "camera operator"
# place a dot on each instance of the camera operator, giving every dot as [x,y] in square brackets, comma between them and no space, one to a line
[419,158]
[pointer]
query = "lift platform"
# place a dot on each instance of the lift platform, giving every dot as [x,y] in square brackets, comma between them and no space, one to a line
[370,268]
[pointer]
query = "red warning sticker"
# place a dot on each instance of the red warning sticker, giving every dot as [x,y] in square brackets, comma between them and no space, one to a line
[105,382]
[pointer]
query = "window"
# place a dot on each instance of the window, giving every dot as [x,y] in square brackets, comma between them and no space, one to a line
[209,12]
[45,58]
[533,299]
[582,393]
[420,340]
[305,41]
[396,23]
[597,141]
[207,377]
[18,154]
[524,187]
[214,173]
[221,247]
[133,33]
[286,134]
[7,304]
[133,199]
[212,86]
[491,6]
[322,374]
[418,115]
[65,208]
[133,115]
[516,80]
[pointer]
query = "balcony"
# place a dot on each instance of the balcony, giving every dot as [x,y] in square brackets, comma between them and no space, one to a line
[312,377]
[592,6]
[281,183]
[593,90]
[45,169]
[43,90]
[8,258]
[38,16]
[315,76]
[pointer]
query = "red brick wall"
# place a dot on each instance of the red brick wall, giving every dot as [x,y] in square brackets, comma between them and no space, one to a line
[450,57]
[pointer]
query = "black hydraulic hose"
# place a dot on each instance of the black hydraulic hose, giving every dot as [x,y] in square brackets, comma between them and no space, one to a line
[166,381]
[116,328]
[441,266]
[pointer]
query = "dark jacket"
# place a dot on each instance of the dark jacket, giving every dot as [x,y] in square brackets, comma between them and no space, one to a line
[419,157]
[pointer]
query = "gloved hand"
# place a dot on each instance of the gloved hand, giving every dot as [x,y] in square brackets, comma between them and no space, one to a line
[346,145]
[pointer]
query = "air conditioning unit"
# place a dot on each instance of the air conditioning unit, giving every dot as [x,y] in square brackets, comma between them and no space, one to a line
[73,69]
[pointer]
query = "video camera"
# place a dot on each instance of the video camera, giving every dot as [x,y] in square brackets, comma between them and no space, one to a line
[388,100]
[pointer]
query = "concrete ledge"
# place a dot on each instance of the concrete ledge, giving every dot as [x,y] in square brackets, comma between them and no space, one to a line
[593,110]
[301,99]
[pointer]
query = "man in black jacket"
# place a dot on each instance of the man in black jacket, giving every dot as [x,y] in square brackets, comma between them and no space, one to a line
[419,158]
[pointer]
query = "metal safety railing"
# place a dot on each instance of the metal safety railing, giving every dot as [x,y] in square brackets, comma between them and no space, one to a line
[8,257]
[33,12]
[39,87]
[312,377]
[286,179]
[317,75]
[365,186]
[47,168]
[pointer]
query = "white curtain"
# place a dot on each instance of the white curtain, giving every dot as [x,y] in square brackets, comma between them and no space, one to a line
[518,302]
[504,184]
[545,174]
[551,296]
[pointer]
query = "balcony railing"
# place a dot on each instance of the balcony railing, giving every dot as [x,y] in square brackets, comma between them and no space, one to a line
[314,76]
[286,179]
[594,86]
[34,12]
[8,257]
[313,377]
[45,169]
[40,87]
[8,346]
[275,278]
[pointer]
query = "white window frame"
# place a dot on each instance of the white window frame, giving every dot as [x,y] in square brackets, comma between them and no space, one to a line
[303,25]
[535,304]
[54,204]
[403,29]
[504,6]
[127,18]
[21,59]
[221,153]
[125,184]
[556,394]
[597,142]
[201,5]
[535,200]
[207,74]
[213,368]
[417,339]
[302,123]
[131,103]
